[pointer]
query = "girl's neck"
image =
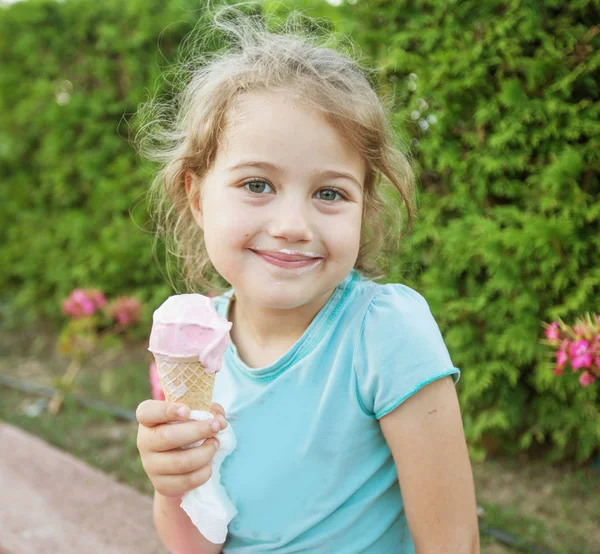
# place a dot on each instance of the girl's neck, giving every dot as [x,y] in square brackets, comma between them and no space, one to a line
[265,327]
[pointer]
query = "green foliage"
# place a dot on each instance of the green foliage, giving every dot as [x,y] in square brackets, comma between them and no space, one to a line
[509,230]
[73,73]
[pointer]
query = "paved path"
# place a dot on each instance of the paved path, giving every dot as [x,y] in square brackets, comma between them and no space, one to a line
[52,503]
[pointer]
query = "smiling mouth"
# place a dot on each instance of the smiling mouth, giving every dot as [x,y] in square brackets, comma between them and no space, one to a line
[289,259]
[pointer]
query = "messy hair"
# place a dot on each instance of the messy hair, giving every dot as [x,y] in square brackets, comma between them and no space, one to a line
[181,130]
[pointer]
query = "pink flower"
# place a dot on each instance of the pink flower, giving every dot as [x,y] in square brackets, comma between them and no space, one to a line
[580,355]
[552,332]
[78,295]
[123,318]
[157,391]
[69,307]
[125,310]
[561,359]
[576,346]
[82,302]
[586,379]
[97,297]
[88,306]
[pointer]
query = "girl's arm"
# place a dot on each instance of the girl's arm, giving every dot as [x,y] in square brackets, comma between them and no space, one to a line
[176,529]
[426,437]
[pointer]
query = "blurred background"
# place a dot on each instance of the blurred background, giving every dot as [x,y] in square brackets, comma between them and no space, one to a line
[498,103]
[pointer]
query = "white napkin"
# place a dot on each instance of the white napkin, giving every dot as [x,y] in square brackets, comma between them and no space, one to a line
[209,506]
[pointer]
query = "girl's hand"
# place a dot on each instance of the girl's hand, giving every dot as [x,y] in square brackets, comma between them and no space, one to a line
[173,471]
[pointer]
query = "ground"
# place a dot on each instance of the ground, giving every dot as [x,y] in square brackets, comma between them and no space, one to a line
[556,508]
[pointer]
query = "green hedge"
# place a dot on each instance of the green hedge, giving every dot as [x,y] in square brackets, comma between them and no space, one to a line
[73,74]
[510,219]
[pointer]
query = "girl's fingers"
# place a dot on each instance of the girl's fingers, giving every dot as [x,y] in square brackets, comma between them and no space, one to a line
[178,485]
[181,462]
[168,437]
[219,413]
[217,409]
[156,412]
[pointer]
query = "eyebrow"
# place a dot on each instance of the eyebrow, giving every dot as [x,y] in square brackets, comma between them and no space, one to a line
[330,173]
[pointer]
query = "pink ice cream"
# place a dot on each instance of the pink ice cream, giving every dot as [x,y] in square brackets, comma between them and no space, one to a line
[188,326]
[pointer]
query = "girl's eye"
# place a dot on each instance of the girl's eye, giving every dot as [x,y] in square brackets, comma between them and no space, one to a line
[257,187]
[260,187]
[329,195]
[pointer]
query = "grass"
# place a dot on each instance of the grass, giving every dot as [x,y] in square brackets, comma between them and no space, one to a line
[555,508]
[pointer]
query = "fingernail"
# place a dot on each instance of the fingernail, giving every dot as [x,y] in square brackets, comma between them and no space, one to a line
[222,421]
[215,426]
[183,411]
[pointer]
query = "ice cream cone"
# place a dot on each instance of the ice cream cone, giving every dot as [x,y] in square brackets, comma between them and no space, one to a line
[189,340]
[185,380]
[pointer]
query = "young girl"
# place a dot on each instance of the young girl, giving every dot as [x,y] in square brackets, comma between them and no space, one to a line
[340,390]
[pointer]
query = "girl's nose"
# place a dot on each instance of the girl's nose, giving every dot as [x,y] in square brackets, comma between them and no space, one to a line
[291,223]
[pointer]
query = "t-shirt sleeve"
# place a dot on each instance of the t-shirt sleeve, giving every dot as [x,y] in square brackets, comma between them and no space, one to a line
[400,350]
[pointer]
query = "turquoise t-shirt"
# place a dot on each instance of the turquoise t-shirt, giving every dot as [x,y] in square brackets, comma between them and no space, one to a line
[312,471]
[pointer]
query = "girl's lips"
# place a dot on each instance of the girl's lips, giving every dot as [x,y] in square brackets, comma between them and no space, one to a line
[288,260]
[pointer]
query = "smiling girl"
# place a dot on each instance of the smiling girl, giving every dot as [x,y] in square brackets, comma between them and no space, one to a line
[340,389]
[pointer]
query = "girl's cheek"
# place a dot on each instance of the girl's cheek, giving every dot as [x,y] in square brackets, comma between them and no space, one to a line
[230,229]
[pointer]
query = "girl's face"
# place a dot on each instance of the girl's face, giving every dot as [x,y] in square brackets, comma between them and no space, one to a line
[281,207]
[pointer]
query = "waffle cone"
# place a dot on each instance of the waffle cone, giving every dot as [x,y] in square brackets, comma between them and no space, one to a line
[185,380]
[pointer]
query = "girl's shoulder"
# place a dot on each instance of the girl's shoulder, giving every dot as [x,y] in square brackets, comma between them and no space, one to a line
[395,318]
[390,303]
[399,348]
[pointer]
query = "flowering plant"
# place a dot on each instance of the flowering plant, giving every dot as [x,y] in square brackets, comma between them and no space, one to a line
[577,347]
[93,323]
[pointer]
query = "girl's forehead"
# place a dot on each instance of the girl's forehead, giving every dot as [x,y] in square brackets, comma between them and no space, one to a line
[266,106]
[279,127]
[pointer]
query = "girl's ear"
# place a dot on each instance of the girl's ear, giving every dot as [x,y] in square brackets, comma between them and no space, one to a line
[192,189]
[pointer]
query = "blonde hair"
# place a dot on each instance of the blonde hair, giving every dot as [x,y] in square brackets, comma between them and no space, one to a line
[182,131]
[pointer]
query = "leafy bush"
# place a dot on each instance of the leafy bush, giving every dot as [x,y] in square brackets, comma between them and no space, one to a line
[71,197]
